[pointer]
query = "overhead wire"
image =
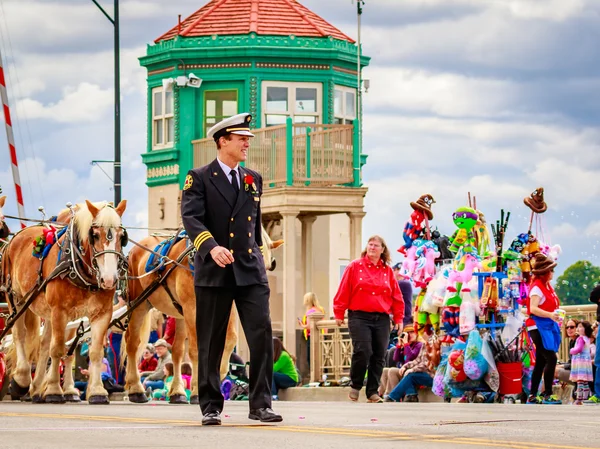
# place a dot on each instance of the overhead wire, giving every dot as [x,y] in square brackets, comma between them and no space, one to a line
[17,86]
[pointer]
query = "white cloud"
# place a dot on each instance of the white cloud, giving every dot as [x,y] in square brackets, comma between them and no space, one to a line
[87,103]
[555,10]
[440,93]
[570,184]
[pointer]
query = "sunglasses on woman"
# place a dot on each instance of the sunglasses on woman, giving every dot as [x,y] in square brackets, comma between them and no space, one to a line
[571,327]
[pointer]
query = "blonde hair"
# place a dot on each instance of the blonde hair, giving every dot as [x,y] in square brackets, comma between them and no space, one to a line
[310,299]
[385,255]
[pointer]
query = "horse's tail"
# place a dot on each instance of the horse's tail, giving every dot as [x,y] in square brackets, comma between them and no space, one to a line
[144,337]
[32,343]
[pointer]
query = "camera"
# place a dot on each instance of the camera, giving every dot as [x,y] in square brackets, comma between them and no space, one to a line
[403,336]
[194,81]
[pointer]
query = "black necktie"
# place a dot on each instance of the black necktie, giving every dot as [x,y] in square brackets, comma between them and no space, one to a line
[235,182]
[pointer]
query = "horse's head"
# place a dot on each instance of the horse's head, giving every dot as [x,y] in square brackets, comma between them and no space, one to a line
[101,231]
[268,247]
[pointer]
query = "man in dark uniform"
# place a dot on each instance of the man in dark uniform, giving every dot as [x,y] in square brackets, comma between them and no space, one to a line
[220,208]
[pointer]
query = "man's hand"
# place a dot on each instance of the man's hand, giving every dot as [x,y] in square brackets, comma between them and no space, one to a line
[339,322]
[399,327]
[221,255]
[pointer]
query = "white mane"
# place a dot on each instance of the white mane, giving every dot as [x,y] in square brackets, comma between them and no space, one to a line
[106,218]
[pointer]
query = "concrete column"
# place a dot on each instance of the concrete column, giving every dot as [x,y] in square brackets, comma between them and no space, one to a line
[307,250]
[355,233]
[289,279]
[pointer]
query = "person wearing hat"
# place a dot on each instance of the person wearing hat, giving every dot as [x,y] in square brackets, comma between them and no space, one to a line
[156,379]
[543,328]
[220,210]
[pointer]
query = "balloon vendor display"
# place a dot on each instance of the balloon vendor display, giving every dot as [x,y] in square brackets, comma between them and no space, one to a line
[471,291]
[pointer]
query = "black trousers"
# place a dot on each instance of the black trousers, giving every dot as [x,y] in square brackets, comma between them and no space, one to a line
[545,362]
[213,306]
[370,333]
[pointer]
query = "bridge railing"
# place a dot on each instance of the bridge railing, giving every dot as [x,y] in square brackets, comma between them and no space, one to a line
[331,346]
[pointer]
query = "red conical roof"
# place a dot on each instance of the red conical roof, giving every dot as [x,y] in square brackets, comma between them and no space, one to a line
[266,17]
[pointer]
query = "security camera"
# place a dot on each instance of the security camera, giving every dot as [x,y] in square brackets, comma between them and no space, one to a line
[367,84]
[181,81]
[194,81]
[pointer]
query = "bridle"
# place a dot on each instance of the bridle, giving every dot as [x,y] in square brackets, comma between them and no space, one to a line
[77,255]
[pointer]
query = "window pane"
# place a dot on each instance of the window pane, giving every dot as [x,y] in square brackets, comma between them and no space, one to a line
[170,129]
[229,108]
[158,104]
[273,120]
[277,99]
[211,108]
[305,119]
[168,102]
[338,121]
[306,100]
[338,103]
[350,105]
[158,132]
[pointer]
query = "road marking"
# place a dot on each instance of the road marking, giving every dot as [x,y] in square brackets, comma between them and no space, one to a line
[62,429]
[294,429]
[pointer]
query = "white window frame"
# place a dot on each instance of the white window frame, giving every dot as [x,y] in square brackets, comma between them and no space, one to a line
[345,116]
[291,111]
[162,117]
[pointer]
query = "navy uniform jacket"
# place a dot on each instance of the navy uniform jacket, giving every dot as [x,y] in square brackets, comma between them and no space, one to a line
[213,216]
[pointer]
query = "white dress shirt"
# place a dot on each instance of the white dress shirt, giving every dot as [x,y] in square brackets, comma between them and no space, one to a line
[227,170]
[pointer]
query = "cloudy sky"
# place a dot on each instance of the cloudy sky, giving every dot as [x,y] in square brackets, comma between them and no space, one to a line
[492,97]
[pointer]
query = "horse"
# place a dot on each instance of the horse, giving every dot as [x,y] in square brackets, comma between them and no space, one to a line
[78,277]
[179,287]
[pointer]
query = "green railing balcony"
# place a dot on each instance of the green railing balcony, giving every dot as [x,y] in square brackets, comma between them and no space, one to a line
[298,154]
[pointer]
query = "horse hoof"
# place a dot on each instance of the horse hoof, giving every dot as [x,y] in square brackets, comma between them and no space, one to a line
[16,391]
[72,398]
[37,399]
[54,399]
[98,400]
[26,398]
[195,400]
[178,399]
[138,398]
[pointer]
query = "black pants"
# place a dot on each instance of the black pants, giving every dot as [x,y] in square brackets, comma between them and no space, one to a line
[545,362]
[213,306]
[370,334]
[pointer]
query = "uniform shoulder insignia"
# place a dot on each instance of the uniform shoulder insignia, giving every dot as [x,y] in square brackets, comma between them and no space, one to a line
[188,182]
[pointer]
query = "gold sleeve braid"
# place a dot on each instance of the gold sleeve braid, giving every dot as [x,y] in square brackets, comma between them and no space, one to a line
[201,238]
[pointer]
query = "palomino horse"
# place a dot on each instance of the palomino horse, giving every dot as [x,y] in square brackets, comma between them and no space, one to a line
[90,256]
[180,284]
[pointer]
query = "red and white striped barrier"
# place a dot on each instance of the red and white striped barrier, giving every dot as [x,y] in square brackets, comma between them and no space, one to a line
[11,144]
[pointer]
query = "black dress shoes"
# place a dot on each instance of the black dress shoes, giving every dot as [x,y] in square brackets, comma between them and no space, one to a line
[264,415]
[211,419]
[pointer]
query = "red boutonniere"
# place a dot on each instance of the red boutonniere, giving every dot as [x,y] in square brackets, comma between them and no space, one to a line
[249,181]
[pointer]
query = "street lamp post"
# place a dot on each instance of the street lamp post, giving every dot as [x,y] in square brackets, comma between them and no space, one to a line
[117,162]
[359,10]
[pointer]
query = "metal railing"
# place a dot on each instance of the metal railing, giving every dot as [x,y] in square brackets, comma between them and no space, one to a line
[581,313]
[331,346]
[297,154]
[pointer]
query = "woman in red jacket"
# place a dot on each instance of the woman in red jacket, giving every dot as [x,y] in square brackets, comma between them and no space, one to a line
[370,293]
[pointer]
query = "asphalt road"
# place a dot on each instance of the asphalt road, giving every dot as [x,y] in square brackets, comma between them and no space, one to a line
[305,425]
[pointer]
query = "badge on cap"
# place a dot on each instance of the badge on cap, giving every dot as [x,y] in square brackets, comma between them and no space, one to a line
[188,182]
